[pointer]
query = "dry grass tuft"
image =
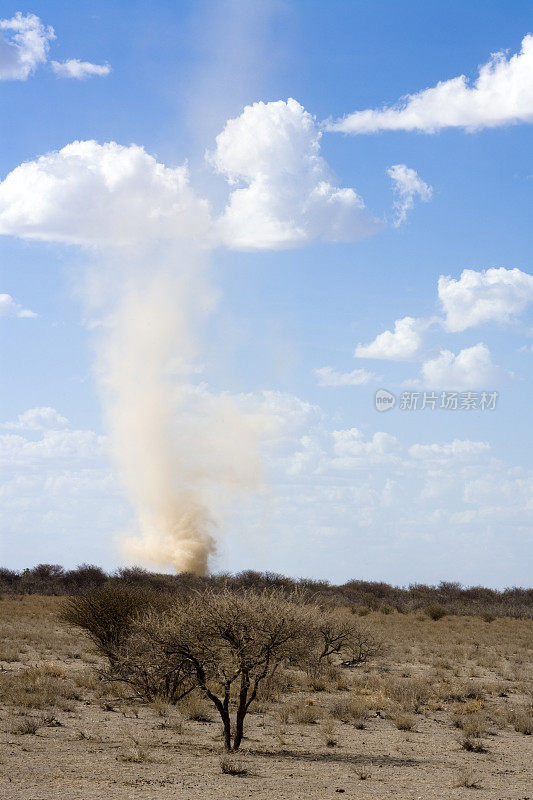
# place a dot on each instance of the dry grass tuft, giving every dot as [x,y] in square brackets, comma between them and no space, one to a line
[303,712]
[473,745]
[404,722]
[328,733]
[232,764]
[194,708]
[28,726]
[39,687]
[137,753]
[363,773]
[353,710]
[522,721]
[467,780]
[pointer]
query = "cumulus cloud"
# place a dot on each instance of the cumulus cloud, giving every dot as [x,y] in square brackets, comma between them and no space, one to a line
[402,344]
[328,376]
[9,308]
[502,94]
[74,68]
[290,196]
[108,194]
[351,443]
[491,295]
[41,418]
[407,186]
[23,46]
[471,368]
[93,194]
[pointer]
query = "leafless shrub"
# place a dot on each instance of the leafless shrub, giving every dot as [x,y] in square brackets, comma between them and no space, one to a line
[435,611]
[223,644]
[342,636]
[106,613]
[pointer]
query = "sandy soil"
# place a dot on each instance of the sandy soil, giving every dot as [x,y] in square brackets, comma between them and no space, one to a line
[93,742]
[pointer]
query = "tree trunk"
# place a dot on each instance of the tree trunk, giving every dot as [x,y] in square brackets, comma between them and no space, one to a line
[241,710]
[226,721]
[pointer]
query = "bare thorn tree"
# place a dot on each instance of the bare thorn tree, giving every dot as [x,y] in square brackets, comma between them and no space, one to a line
[343,636]
[226,644]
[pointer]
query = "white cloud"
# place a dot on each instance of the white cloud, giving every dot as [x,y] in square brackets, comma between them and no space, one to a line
[24,46]
[9,308]
[407,186]
[404,343]
[351,443]
[477,297]
[41,418]
[459,448]
[58,489]
[502,94]
[290,197]
[490,491]
[93,194]
[471,368]
[57,442]
[74,68]
[332,491]
[55,445]
[327,376]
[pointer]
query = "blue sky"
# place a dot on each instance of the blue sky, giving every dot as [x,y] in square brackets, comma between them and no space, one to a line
[254,268]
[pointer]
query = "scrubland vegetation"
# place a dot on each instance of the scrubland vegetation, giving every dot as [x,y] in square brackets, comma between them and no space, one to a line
[145,686]
[366,596]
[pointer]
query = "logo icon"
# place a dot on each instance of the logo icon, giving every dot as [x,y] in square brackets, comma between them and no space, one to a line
[384,400]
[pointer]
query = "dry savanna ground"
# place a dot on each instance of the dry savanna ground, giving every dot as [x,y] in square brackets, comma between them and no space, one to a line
[445,712]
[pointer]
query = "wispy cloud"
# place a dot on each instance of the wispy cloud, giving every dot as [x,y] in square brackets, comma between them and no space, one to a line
[407,186]
[9,308]
[74,68]
[328,376]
